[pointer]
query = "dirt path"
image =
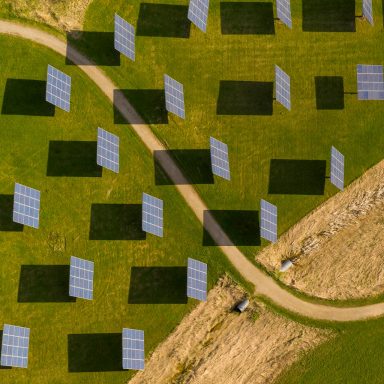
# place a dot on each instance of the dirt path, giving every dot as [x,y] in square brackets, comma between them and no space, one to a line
[264,284]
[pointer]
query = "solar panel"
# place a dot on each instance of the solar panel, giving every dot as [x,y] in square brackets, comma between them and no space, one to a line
[268,222]
[368,10]
[197,280]
[198,13]
[174,96]
[219,158]
[124,37]
[81,278]
[107,150]
[15,346]
[133,349]
[337,168]
[58,90]
[26,206]
[284,12]
[152,215]
[283,88]
[370,83]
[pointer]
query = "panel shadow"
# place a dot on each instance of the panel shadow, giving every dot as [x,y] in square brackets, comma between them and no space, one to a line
[329,16]
[1,341]
[297,177]
[116,222]
[329,92]
[95,352]
[247,19]
[26,97]
[148,103]
[163,20]
[158,285]
[6,215]
[44,284]
[242,227]
[245,98]
[194,163]
[73,159]
[97,46]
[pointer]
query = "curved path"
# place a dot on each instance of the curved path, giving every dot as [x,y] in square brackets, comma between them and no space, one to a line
[264,284]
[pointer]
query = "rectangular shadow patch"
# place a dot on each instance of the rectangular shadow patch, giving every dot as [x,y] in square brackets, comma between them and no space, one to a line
[329,92]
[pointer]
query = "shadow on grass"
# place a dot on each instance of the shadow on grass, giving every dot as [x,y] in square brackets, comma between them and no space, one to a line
[242,227]
[194,163]
[1,341]
[329,16]
[247,18]
[44,284]
[148,103]
[297,177]
[329,92]
[26,97]
[245,98]
[116,222]
[6,215]
[97,46]
[163,20]
[158,285]
[73,159]
[95,352]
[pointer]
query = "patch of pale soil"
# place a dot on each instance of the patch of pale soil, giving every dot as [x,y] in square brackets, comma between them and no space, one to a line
[338,249]
[214,345]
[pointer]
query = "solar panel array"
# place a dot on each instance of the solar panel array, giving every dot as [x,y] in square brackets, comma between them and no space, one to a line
[337,168]
[124,37]
[58,91]
[219,158]
[370,83]
[133,349]
[152,215]
[368,10]
[283,88]
[15,346]
[26,206]
[174,96]
[81,278]
[107,150]
[268,222]
[198,13]
[283,8]
[197,280]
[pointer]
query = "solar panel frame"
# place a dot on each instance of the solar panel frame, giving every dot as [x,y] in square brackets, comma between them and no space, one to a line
[219,158]
[81,278]
[268,221]
[26,206]
[15,346]
[58,90]
[197,272]
[370,82]
[133,349]
[174,96]
[107,150]
[368,11]
[198,13]
[283,88]
[337,168]
[152,215]
[124,37]
[283,8]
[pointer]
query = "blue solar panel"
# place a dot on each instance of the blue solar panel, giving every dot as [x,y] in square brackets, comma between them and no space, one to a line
[124,37]
[337,168]
[219,159]
[107,150]
[58,90]
[283,88]
[81,278]
[368,11]
[284,12]
[15,346]
[133,349]
[174,96]
[197,279]
[268,222]
[152,220]
[370,83]
[26,206]
[198,13]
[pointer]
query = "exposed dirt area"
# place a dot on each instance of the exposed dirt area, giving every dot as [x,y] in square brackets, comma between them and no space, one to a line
[214,344]
[338,249]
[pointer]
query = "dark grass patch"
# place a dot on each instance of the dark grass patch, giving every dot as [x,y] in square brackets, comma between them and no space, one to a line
[6,215]
[329,92]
